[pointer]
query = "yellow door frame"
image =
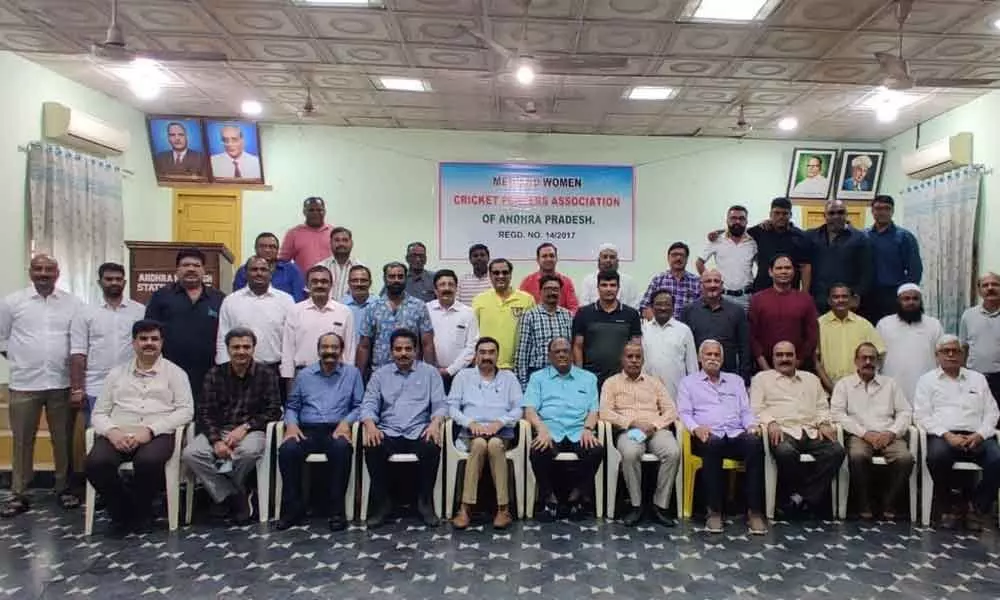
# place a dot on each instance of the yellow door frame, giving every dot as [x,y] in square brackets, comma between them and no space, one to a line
[224,193]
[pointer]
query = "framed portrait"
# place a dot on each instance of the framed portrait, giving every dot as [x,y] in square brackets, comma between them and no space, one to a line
[811,174]
[177,145]
[860,174]
[234,151]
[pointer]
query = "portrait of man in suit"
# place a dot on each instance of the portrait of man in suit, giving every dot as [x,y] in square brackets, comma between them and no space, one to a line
[177,150]
[860,173]
[231,158]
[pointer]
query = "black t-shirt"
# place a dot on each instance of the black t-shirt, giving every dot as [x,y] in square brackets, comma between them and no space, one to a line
[604,336]
[771,243]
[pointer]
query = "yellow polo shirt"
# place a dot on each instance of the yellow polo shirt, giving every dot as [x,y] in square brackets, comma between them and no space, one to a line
[499,317]
[839,339]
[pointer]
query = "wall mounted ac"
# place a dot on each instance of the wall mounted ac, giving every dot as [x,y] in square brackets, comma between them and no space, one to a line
[81,131]
[939,157]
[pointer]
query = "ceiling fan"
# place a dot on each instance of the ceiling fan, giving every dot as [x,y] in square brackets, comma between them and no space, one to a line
[742,127]
[113,47]
[897,70]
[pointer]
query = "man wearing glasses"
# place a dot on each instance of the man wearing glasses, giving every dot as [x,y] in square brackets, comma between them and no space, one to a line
[498,311]
[840,254]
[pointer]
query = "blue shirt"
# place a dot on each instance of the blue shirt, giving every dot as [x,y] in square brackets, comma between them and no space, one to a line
[896,256]
[402,404]
[473,399]
[358,310]
[381,320]
[285,277]
[318,398]
[562,401]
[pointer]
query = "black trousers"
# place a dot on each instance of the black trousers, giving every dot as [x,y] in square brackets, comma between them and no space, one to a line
[292,456]
[811,480]
[377,457]
[941,457]
[148,462]
[744,447]
[562,479]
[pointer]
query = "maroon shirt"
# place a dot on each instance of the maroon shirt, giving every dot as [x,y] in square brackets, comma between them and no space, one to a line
[783,316]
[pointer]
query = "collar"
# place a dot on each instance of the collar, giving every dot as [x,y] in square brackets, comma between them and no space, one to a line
[640,378]
[794,377]
[856,380]
[325,228]
[617,308]
[350,301]
[963,374]
[413,368]
[982,308]
[317,369]
[55,295]
[436,305]
[152,372]
[702,375]
[125,303]
[654,323]
[555,374]
[830,317]
[890,229]
[331,304]
[246,291]
[251,370]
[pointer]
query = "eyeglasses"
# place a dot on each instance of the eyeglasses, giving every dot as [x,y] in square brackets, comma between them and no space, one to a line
[950,351]
[499,273]
[837,213]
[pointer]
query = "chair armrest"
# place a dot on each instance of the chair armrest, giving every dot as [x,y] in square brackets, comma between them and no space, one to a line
[524,432]
[180,435]
[89,436]
[604,432]
[840,434]
[685,440]
[449,440]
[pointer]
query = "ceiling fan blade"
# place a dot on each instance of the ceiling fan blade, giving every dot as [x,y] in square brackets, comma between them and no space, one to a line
[490,42]
[956,83]
[572,63]
[893,66]
[171,55]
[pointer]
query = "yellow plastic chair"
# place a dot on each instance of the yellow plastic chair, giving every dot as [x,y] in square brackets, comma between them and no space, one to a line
[691,465]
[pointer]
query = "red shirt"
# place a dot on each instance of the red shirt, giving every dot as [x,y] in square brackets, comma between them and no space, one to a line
[567,298]
[306,246]
[783,316]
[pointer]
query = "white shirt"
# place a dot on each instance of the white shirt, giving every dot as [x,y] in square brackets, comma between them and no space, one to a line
[340,274]
[944,404]
[669,352]
[980,329]
[159,399]
[455,335]
[628,293]
[223,165]
[34,332]
[304,323]
[909,349]
[263,314]
[470,286]
[878,405]
[733,259]
[103,334]
[813,186]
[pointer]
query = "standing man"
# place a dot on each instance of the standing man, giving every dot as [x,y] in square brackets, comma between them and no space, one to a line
[455,328]
[189,313]
[979,331]
[841,254]
[538,327]
[734,254]
[547,258]
[840,333]
[309,243]
[340,262]
[876,417]
[641,414]
[358,298]
[668,344]
[259,307]
[35,337]
[683,286]
[909,337]
[308,320]
[397,309]
[896,260]
[783,313]
[402,411]
[419,281]
[607,260]
[500,309]
[240,398]
[601,330]
[476,281]
[285,276]
[100,337]
[715,317]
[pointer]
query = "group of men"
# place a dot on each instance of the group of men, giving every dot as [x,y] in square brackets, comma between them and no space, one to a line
[302,339]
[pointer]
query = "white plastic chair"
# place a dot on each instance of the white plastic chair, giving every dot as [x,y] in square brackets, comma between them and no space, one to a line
[844,477]
[171,473]
[319,457]
[263,477]
[454,456]
[927,491]
[771,479]
[406,457]
[531,485]
[614,458]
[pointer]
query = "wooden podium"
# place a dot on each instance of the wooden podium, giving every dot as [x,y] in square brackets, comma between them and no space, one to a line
[153,265]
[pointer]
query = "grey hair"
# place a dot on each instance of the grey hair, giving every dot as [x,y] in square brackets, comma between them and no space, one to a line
[708,342]
[983,277]
[948,338]
[863,161]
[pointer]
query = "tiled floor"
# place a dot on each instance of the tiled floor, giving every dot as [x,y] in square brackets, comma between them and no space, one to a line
[44,554]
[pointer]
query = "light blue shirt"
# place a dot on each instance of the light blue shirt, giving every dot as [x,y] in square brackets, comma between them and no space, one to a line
[562,401]
[473,399]
[318,398]
[402,404]
[358,312]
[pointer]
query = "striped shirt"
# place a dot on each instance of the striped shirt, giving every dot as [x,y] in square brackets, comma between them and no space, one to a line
[538,328]
[470,286]
[624,400]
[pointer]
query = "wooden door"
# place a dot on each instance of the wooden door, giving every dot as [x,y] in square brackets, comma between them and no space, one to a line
[812,214]
[209,216]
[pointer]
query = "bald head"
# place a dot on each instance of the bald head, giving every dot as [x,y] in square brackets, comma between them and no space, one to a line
[711,286]
[560,354]
[836,214]
[43,272]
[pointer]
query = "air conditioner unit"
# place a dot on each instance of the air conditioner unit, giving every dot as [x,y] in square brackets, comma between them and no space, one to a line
[939,157]
[79,130]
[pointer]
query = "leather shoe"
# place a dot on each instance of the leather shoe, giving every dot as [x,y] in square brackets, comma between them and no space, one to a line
[289,520]
[547,514]
[663,517]
[633,516]
[972,522]
[240,512]
[426,511]
[337,523]
[378,515]
[503,519]
[461,518]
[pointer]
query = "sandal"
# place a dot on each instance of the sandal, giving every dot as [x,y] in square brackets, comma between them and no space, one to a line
[14,506]
[69,501]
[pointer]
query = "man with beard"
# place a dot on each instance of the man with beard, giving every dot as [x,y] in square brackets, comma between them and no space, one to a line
[477,281]
[909,337]
[455,328]
[499,310]
[714,317]
[308,243]
[607,260]
[840,333]
[100,337]
[668,345]
[547,258]
[340,262]
[538,327]
[734,255]
[285,276]
[396,309]
[601,330]
[979,331]
[896,256]
[419,281]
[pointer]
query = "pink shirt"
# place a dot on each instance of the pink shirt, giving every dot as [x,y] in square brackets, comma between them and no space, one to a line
[306,246]
[304,323]
[567,298]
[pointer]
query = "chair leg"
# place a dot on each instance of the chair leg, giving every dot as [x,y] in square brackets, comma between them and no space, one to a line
[600,490]
[88,515]
[352,491]
[614,460]
[518,468]
[529,493]
[439,489]
[264,487]
[679,490]
[689,476]
[277,494]
[451,482]
[770,484]
[173,494]
[843,490]
[366,484]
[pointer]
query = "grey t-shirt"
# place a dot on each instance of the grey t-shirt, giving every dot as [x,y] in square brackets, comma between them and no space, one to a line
[981,331]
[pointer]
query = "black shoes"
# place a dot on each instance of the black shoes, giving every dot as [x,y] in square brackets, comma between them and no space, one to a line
[378,515]
[426,510]
[633,516]
[663,517]
[337,522]
[239,508]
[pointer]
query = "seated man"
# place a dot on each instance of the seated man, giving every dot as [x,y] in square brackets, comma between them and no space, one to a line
[239,399]
[560,403]
[141,404]
[486,403]
[716,410]
[402,412]
[323,404]
[641,412]
[954,405]
[876,418]
[793,407]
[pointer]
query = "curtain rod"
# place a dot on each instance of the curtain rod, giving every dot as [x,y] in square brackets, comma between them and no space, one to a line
[27,148]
